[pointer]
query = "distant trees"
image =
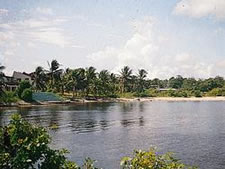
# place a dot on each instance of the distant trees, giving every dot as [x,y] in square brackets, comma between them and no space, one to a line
[89,82]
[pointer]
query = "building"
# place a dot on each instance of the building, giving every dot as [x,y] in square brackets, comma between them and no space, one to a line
[18,76]
[11,83]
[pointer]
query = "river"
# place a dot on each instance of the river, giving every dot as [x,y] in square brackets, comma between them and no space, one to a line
[106,132]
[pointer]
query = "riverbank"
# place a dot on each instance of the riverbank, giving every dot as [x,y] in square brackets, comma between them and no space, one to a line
[146,99]
[174,99]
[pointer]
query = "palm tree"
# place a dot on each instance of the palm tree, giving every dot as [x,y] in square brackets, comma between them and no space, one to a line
[125,76]
[2,81]
[40,78]
[54,72]
[104,77]
[142,74]
[90,78]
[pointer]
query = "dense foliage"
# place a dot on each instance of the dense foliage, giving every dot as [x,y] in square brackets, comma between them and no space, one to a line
[27,95]
[24,146]
[22,86]
[8,97]
[152,160]
[89,83]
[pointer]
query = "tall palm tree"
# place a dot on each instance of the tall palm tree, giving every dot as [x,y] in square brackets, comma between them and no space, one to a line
[104,77]
[125,75]
[90,78]
[54,72]
[142,74]
[77,78]
[2,81]
[40,78]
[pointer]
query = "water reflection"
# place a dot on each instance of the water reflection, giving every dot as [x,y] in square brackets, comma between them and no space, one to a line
[111,130]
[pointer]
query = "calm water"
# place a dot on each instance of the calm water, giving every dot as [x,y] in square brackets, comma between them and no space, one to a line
[108,131]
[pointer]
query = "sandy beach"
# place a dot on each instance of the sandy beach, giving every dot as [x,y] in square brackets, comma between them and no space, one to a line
[173,99]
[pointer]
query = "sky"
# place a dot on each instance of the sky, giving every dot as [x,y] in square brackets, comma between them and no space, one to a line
[165,37]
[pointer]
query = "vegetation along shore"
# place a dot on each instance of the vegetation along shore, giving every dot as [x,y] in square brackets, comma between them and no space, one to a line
[80,85]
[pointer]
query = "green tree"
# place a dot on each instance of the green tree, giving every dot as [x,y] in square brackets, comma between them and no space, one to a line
[125,76]
[142,74]
[2,81]
[104,86]
[90,74]
[27,95]
[23,145]
[54,73]
[22,86]
[40,79]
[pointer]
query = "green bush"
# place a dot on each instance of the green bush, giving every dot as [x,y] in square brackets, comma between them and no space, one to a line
[142,94]
[197,93]
[23,146]
[152,92]
[126,95]
[152,160]
[22,86]
[27,95]
[216,92]
[8,97]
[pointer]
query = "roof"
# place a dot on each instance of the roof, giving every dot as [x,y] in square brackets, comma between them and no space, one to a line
[20,75]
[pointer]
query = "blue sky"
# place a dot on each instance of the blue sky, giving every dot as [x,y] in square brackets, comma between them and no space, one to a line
[167,38]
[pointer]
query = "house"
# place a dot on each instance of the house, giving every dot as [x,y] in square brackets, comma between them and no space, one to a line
[11,83]
[18,76]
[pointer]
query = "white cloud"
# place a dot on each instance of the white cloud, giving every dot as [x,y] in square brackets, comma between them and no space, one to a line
[42,30]
[78,46]
[143,50]
[201,8]
[44,11]
[3,12]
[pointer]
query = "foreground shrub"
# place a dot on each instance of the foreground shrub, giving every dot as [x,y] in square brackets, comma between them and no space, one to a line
[27,95]
[24,146]
[152,160]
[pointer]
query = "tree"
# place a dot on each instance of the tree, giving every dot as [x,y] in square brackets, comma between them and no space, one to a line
[77,78]
[22,86]
[176,82]
[104,77]
[142,74]
[125,75]
[90,74]
[54,73]
[40,78]
[27,95]
[2,81]
[23,145]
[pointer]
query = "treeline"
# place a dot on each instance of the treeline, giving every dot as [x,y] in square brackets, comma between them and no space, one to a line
[87,82]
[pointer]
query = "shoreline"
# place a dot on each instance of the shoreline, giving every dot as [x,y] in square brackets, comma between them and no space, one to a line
[119,100]
[176,99]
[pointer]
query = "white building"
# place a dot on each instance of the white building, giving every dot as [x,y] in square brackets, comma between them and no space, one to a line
[18,77]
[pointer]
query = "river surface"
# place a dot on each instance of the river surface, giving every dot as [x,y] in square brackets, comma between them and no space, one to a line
[195,131]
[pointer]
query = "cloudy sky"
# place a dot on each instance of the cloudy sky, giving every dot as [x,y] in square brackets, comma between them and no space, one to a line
[165,37]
